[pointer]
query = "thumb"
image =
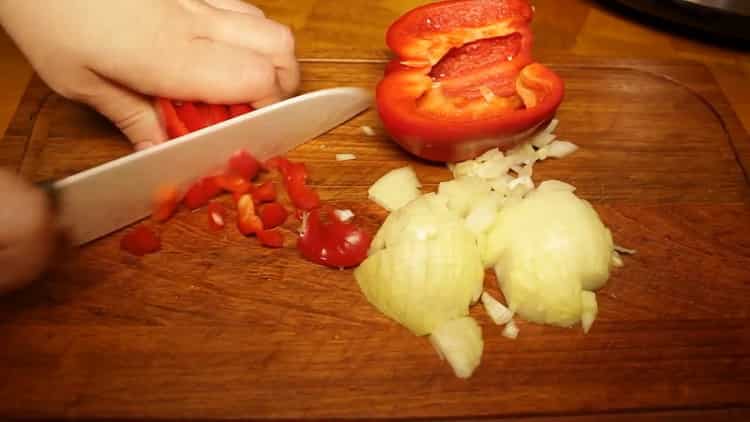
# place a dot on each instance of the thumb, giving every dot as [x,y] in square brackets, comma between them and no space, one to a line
[132,113]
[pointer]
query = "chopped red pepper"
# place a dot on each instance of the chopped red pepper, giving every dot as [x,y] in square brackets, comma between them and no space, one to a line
[200,192]
[242,163]
[233,183]
[140,241]
[166,201]
[273,214]
[191,116]
[247,222]
[265,192]
[333,243]
[294,176]
[217,216]
[271,238]
[239,109]
[172,123]
[464,80]
[217,113]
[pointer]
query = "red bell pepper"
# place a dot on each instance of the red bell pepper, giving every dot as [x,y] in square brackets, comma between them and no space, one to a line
[464,80]
[217,216]
[140,241]
[191,115]
[166,200]
[265,192]
[239,109]
[273,215]
[217,113]
[233,183]
[247,222]
[200,192]
[333,243]
[243,164]
[172,123]
[271,238]
[294,176]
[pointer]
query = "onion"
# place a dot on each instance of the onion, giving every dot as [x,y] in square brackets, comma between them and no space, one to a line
[560,149]
[343,215]
[511,330]
[547,248]
[624,250]
[459,341]
[589,309]
[555,185]
[424,267]
[461,193]
[497,311]
[484,212]
[367,130]
[345,157]
[395,189]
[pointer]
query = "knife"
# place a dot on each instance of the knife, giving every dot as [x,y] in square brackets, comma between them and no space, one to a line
[103,199]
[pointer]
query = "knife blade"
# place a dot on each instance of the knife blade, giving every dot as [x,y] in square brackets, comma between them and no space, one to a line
[103,199]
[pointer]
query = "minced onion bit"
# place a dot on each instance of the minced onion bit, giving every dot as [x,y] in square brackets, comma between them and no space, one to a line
[345,157]
[499,313]
[367,130]
[510,330]
[343,215]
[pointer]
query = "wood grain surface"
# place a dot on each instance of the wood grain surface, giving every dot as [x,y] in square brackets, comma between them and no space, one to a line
[216,327]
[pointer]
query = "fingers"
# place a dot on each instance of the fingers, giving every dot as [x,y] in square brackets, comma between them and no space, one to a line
[269,38]
[132,113]
[212,72]
[238,6]
[27,238]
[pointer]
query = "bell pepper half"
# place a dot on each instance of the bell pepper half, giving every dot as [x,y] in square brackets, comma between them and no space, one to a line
[464,80]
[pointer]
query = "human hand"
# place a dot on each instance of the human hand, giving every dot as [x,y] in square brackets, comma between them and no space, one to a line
[27,232]
[115,55]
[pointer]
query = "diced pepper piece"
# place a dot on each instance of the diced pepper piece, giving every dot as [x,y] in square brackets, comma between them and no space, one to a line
[140,241]
[265,192]
[201,192]
[333,243]
[233,183]
[273,215]
[217,113]
[243,164]
[271,238]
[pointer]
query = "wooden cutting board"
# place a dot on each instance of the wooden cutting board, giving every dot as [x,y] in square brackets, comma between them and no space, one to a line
[215,326]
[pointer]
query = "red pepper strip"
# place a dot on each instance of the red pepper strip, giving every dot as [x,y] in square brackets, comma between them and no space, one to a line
[217,113]
[239,109]
[294,176]
[265,192]
[172,123]
[191,116]
[201,192]
[333,243]
[140,241]
[166,201]
[273,215]
[233,183]
[217,216]
[271,238]
[465,80]
[243,164]
[247,222]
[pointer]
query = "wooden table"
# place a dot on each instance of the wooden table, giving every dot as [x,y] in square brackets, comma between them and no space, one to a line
[215,327]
